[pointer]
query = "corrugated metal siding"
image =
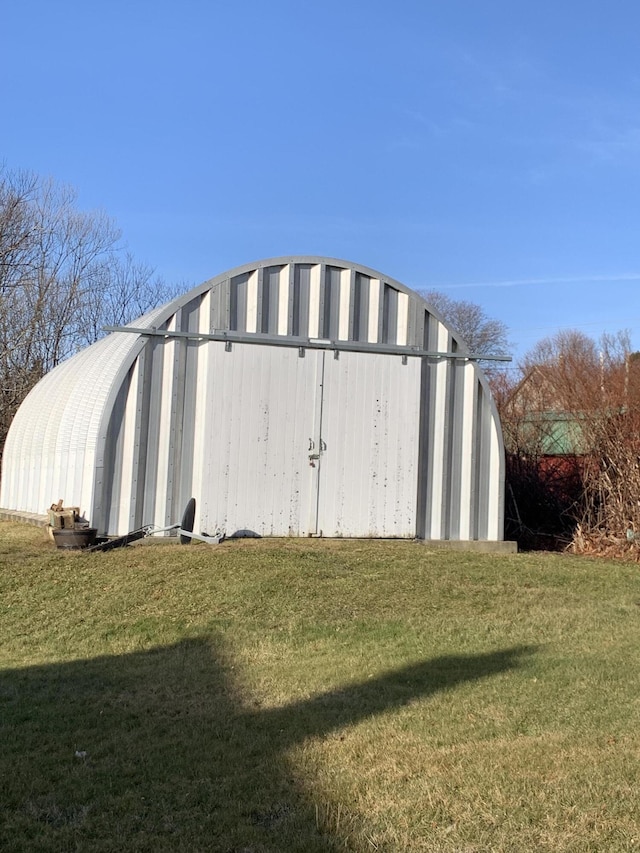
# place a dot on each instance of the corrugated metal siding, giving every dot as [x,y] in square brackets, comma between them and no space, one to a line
[50,452]
[135,425]
[50,449]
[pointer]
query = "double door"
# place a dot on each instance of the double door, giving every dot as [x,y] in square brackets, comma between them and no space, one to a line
[304,443]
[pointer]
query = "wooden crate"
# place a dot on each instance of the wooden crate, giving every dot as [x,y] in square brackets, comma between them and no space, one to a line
[63,519]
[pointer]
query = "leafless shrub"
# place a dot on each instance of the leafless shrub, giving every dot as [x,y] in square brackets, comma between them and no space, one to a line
[572,432]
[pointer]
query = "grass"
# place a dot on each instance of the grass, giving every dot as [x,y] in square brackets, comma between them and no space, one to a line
[316,696]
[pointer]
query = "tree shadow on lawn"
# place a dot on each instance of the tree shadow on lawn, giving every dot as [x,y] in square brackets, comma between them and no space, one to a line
[157,750]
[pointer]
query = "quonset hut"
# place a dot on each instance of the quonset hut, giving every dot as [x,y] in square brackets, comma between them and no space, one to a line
[298,396]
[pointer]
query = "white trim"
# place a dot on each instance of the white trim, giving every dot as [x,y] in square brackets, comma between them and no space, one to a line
[283,301]
[164,432]
[466,463]
[438,461]
[252,302]
[374,310]
[314,301]
[345,301]
[403,319]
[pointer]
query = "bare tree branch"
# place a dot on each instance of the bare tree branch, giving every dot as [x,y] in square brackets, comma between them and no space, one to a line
[63,276]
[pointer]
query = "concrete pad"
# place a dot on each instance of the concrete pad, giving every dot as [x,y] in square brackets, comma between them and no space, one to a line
[24,517]
[479,546]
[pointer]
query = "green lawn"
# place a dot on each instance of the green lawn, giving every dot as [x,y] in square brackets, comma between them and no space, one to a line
[272,695]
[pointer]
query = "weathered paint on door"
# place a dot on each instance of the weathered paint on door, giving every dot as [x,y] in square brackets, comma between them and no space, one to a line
[369,442]
[311,445]
[256,476]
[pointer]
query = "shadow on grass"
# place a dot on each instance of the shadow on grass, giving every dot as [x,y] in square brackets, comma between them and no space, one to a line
[157,751]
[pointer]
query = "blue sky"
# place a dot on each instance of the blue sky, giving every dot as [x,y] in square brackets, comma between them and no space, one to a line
[486,148]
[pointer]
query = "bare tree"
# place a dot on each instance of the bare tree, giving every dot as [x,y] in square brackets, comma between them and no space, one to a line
[63,276]
[478,331]
[122,290]
[17,194]
[584,395]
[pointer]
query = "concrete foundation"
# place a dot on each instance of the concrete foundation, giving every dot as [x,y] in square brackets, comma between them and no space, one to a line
[478,546]
[24,517]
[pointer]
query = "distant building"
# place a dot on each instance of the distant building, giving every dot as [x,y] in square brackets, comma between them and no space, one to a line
[538,422]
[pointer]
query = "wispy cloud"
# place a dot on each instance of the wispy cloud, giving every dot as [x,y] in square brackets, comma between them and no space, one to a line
[525,282]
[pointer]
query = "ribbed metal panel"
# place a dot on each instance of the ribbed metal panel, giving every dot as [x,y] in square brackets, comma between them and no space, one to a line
[50,449]
[272,439]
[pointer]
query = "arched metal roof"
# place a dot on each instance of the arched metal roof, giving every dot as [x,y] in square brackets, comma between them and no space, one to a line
[310,297]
